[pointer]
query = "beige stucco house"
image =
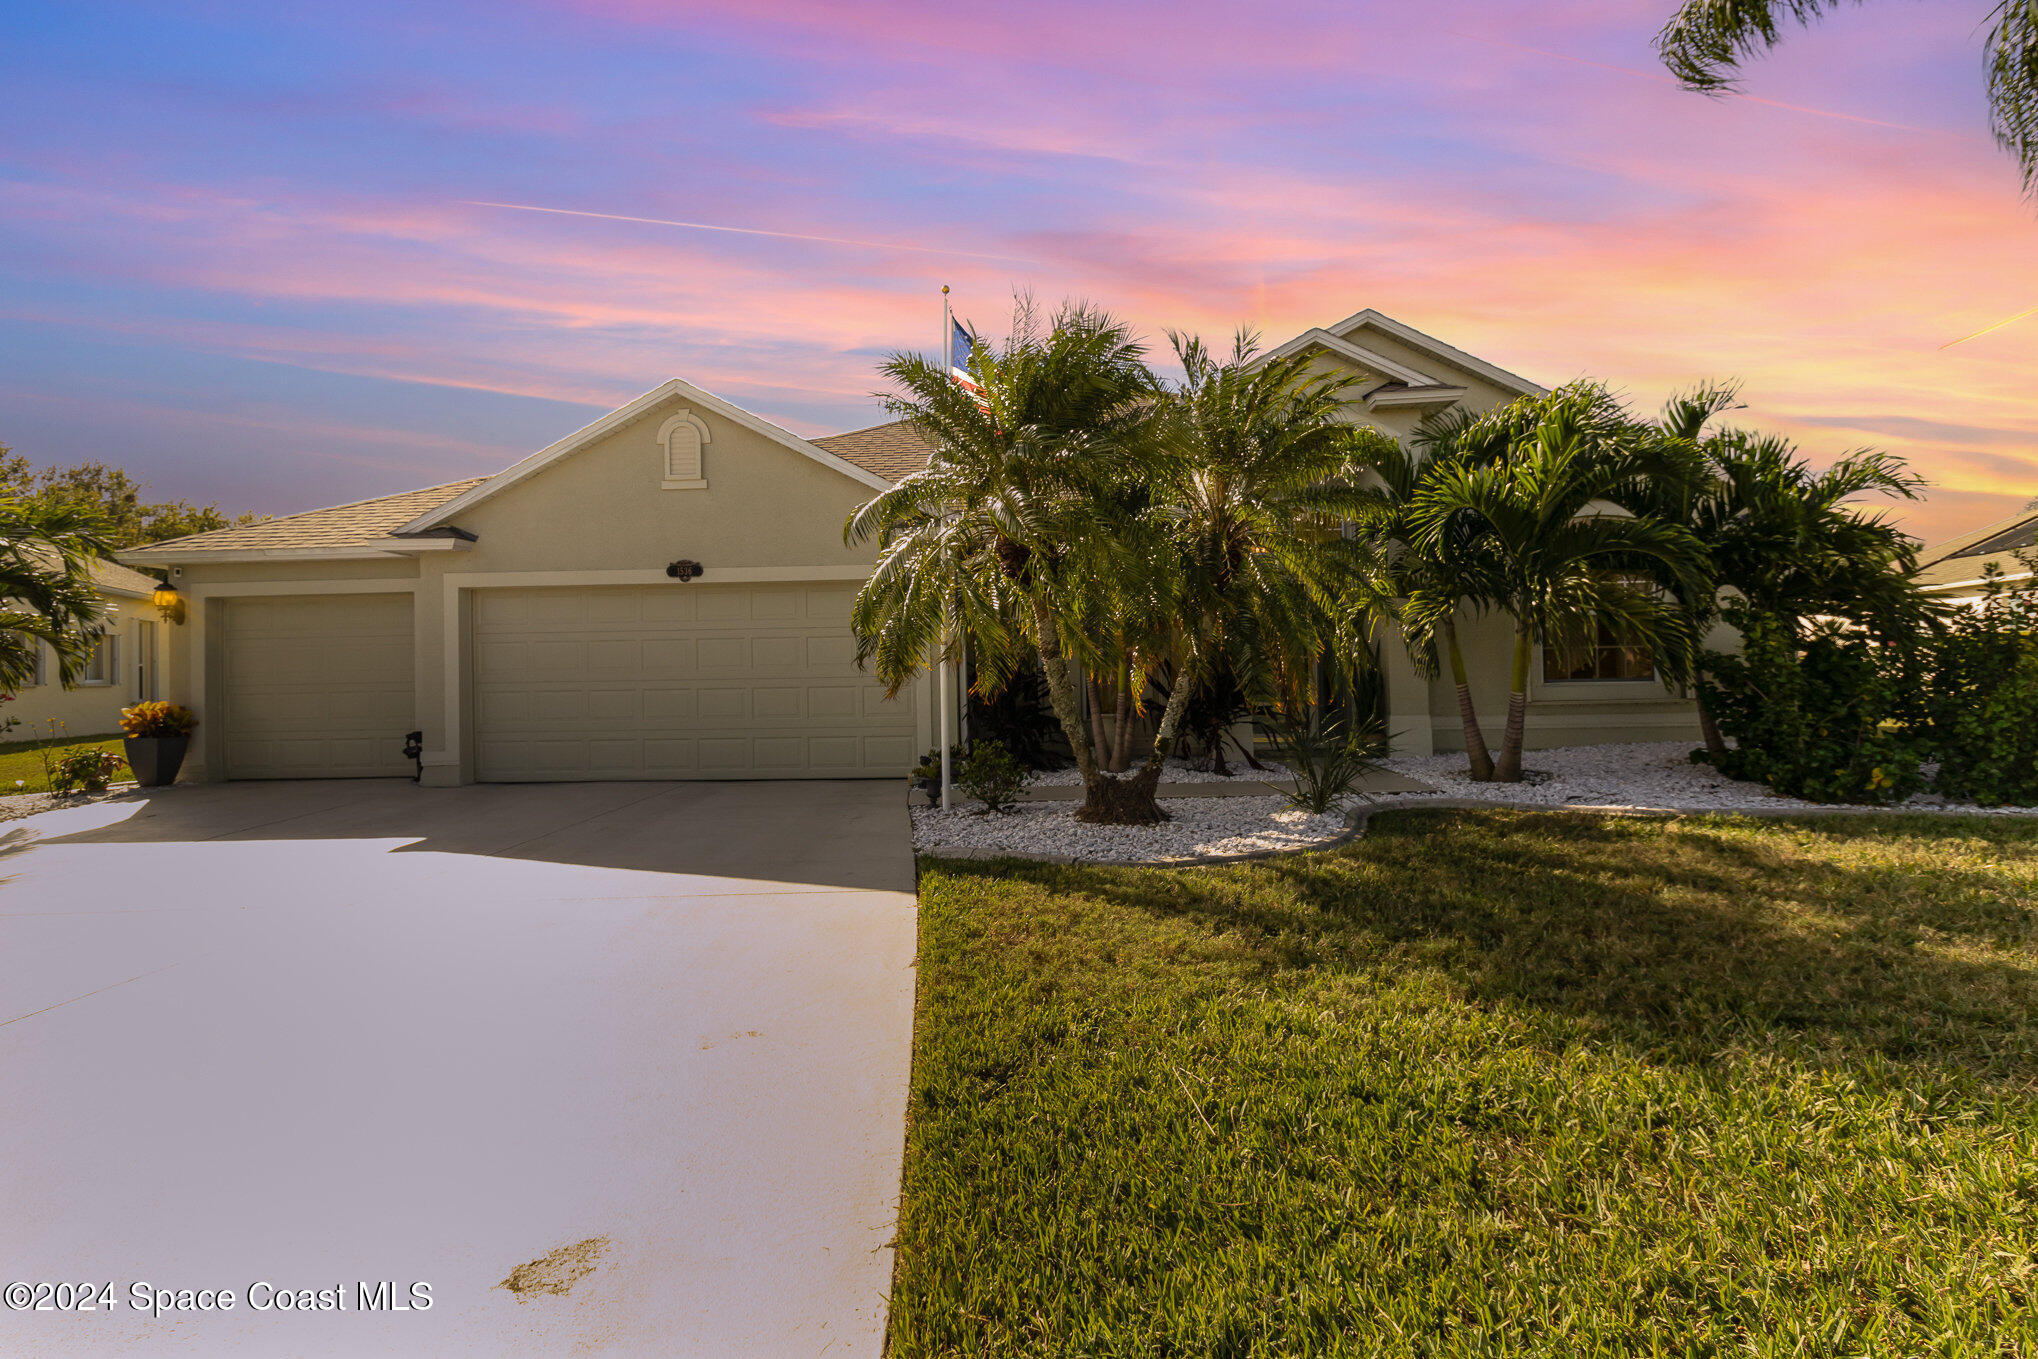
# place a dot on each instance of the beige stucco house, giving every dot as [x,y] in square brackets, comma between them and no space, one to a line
[1956,570]
[123,668]
[665,595]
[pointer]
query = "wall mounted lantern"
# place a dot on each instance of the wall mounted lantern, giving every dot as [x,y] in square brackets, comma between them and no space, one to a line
[168,603]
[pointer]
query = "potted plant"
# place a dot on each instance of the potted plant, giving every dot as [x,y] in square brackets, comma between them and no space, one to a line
[158,734]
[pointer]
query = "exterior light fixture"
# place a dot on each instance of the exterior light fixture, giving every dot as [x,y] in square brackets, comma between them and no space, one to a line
[168,603]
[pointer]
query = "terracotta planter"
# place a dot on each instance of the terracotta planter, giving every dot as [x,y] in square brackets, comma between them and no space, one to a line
[156,759]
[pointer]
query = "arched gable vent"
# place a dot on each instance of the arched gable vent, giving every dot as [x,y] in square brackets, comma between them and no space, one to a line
[684,437]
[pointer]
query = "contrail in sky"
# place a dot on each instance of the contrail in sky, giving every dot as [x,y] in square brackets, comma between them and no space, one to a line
[1670,80]
[2032,311]
[750,231]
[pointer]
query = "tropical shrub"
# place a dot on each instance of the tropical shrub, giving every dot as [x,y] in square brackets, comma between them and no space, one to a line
[1813,717]
[1328,758]
[1981,700]
[992,775]
[156,718]
[84,771]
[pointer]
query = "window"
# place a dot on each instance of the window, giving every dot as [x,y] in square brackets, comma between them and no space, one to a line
[38,672]
[1605,659]
[104,666]
[683,437]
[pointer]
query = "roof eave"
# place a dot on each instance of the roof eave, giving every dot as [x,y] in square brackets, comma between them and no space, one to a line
[367,550]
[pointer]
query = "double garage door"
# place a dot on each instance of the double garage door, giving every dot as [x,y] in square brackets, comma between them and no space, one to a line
[678,682]
[675,682]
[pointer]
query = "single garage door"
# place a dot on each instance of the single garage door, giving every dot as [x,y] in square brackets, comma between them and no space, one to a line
[687,681]
[317,686]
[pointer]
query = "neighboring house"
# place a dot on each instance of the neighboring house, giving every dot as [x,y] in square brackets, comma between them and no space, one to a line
[546,623]
[1954,569]
[123,668]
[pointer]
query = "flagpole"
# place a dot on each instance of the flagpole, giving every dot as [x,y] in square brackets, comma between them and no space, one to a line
[947,702]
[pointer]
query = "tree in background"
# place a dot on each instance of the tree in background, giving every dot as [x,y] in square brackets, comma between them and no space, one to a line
[46,556]
[1706,41]
[112,498]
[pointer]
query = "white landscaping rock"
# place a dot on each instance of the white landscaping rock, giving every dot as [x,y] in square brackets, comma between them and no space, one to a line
[1652,776]
[1655,776]
[1176,770]
[1202,828]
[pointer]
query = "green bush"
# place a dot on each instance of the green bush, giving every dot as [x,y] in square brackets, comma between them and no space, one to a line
[85,771]
[992,775]
[1815,717]
[1982,699]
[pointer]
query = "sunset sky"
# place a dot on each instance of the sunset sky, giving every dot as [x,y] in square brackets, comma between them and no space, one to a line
[243,251]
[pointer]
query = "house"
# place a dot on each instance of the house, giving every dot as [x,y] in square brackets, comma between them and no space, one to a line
[123,668]
[1954,569]
[665,595]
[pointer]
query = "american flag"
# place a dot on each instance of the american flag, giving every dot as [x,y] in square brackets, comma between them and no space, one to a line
[961,345]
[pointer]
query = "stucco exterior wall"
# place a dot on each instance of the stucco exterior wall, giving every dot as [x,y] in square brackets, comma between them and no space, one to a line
[599,515]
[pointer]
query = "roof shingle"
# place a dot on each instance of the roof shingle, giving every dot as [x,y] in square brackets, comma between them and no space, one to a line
[337,526]
[894,450]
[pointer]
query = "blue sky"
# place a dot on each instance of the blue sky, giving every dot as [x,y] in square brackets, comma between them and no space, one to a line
[240,253]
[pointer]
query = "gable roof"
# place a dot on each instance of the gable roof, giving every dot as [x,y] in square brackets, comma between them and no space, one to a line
[441,514]
[357,524]
[1343,338]
[1961,561]
[894,450]
[114,578]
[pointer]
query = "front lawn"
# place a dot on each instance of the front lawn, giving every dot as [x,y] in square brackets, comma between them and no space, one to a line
[19,760]
[1485,1083]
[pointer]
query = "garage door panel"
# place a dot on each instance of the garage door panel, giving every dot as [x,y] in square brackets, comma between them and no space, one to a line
[694,681]
[316,686]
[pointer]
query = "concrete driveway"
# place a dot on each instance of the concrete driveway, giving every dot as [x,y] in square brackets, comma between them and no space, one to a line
[608,1068]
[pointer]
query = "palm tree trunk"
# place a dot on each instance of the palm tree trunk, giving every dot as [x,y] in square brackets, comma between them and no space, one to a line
[1468,714]
[1715,744]
[1508,768]
[1062,694]
[1097,733]
[1121,749]
[1134,801]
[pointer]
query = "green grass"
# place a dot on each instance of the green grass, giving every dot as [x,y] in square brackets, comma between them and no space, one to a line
[1480,1084]
[19,760]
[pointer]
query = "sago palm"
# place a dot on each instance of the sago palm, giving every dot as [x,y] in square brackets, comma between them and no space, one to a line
[1552,547]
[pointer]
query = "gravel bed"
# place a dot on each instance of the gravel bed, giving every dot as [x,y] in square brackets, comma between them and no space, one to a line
[1174,771]
[1655,776]
[1203,827]
[1652,776]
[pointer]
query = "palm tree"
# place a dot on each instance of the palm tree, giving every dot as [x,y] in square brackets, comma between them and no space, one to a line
[1706,40]
[1436,575]
[46,553]
[1552,544]
[1787,540]
[1015,529]
[1254,477]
